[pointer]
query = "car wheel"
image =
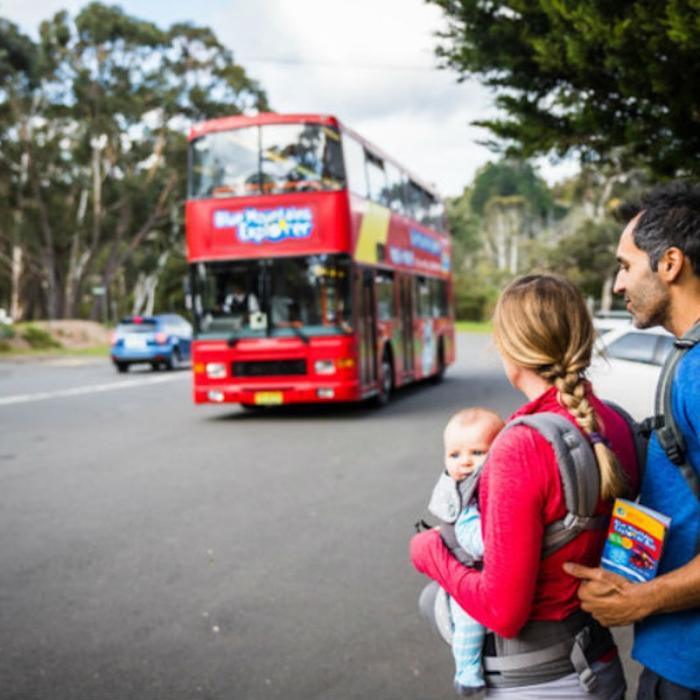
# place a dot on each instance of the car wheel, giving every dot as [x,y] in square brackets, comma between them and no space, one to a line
[174,362]
[155,366]
[122,367]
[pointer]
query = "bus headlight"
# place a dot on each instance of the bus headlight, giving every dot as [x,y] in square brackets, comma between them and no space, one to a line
[324,367]
[216,370]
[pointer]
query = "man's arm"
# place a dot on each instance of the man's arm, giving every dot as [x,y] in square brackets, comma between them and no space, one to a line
[614,601]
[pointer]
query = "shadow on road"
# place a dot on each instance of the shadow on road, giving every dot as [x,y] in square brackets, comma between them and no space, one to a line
[487,388]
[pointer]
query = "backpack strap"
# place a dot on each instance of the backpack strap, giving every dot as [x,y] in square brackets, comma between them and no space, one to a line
[639,436]
[580,478]
[663,421]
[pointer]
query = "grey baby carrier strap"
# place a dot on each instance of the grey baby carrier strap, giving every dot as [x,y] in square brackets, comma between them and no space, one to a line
[580,478]
[466,490]
[663,421]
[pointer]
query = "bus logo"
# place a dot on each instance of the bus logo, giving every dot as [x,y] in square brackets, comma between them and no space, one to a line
[267,225]
[425,243]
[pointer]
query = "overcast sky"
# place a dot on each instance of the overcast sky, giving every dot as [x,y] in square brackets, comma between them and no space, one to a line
[368,62]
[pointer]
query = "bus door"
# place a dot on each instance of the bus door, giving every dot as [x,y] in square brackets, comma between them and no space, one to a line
[406,311]
[366,325]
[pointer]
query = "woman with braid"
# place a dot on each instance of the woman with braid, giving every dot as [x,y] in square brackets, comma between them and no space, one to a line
[544,335]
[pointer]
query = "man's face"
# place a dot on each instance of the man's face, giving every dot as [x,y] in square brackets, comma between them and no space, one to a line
[647,297]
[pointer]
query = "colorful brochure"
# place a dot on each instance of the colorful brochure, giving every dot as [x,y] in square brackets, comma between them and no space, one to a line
[635,541]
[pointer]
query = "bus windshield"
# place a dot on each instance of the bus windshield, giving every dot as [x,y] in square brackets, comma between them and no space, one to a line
[299,296]
[268,159]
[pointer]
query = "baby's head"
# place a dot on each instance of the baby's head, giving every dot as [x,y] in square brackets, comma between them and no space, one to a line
[468,436]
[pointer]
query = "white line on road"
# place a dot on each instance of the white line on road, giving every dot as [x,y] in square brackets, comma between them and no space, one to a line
[91,389]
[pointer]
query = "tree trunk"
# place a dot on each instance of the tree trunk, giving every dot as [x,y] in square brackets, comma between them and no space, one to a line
[17,267]
[77,263]
[606,296]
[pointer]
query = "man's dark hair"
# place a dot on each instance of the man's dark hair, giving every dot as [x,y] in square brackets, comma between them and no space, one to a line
[670,218]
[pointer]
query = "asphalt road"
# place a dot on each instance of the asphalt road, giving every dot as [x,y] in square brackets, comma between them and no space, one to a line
[153,549]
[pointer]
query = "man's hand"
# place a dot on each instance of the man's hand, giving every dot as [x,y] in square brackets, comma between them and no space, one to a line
[611,599]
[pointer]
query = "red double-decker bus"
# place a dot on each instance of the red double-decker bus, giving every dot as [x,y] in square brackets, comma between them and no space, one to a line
[319,267]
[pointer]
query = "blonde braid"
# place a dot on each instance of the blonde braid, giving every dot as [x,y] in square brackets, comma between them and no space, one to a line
[571,392]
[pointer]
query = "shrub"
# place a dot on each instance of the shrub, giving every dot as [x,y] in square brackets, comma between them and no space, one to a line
[6,331]
[39,339]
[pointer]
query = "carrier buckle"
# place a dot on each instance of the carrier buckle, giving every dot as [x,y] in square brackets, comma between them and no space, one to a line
[588,680]
[586,675]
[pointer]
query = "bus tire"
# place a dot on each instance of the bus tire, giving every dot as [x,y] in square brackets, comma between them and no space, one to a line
[386,380]
[440,371]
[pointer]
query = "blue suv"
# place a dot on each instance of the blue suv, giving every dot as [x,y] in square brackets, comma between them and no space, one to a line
[163,341]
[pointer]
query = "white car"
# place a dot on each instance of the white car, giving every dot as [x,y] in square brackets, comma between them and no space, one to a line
[606,321]
[626,366]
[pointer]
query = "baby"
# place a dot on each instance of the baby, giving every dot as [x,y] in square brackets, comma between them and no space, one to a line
[467,438]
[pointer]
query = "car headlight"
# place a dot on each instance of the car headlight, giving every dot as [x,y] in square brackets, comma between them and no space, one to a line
[324,367]
[216,370]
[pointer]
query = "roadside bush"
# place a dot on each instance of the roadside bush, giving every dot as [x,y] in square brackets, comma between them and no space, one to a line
[6,331]
[474,300]
[39,339]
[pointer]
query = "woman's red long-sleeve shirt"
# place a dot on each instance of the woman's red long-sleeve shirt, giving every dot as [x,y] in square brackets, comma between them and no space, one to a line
[520,493]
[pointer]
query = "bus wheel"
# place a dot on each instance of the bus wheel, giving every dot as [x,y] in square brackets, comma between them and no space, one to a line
[386,381]
[440,373]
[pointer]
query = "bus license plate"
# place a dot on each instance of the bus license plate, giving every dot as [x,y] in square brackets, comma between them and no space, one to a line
[268,398]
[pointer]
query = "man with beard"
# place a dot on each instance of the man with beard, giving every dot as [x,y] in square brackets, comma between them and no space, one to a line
[659,275]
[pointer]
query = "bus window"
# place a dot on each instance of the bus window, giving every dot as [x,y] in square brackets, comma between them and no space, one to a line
[426,203]
[394,195]
[354,157]
[439,298]
[424,306]
[415,200]
[294,158]
[225,164]
[437,214]
[385,295]
[270,159]
[376,179]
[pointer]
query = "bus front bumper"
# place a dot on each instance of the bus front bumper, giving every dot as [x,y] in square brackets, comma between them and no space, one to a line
[269,394]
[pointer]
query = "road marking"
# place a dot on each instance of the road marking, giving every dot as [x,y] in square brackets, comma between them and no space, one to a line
[92,389]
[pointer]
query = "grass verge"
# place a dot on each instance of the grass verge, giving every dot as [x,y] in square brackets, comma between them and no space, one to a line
[93,351]
[474,326]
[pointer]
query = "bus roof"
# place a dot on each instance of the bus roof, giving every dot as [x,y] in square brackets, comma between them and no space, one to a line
[238,121]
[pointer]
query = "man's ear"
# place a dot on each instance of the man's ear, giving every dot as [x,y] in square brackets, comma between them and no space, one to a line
[671,264]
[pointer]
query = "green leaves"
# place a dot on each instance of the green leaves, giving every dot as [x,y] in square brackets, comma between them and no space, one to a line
[605,79]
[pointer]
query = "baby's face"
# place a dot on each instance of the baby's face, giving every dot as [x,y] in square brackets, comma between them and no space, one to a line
[466,448]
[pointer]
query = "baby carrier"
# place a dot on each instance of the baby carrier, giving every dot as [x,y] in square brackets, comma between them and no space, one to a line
[547,650]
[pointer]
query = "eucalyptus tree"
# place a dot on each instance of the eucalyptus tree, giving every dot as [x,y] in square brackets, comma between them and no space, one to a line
[106,152]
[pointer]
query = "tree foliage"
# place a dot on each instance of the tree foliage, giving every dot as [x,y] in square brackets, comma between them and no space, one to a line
[507,178]
[613,81]
[93,150]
